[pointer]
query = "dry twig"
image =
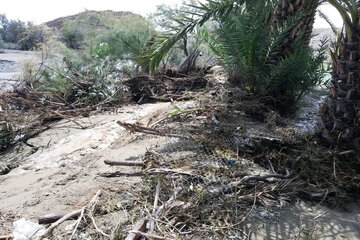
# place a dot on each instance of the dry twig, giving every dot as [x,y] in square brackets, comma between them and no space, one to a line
[71,215]
[135,128]
[140,226]
[122,163]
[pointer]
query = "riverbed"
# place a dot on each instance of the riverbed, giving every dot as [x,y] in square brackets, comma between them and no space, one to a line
[11,65]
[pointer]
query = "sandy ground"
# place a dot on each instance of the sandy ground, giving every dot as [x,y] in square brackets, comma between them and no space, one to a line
[11,64]
[64,172]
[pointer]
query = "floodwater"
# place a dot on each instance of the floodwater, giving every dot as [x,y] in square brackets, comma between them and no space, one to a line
[11,64]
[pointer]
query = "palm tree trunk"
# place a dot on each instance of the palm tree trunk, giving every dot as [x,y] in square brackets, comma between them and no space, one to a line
[341,111]
[306,10]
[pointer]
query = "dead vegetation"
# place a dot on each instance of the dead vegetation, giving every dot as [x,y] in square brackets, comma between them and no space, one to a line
[223,160]
[210,182]
[26,111]
[170,86]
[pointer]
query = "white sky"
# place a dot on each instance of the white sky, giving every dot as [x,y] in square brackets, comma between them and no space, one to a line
[39,11]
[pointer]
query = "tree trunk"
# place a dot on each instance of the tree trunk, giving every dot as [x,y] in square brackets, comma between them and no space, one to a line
[306,10]
[341,110]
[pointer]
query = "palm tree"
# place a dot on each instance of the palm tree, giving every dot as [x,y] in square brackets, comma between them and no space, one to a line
[341,111]
[271,58]
[304,12]
[305,8]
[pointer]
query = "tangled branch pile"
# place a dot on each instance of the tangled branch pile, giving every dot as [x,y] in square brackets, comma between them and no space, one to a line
[225,166]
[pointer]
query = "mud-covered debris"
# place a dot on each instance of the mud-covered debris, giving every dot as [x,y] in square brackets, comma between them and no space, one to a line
[144,88]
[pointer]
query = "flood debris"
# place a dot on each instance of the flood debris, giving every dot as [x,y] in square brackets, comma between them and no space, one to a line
[145,88]
[83,213]
[26,111]
[219,165]
[212,181]
[136,128]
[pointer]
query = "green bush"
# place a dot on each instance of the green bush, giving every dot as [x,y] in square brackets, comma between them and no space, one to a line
[243,44]
[82,79]
[20,35]
[94,47]
[126,36]
[72,35]
[32,37]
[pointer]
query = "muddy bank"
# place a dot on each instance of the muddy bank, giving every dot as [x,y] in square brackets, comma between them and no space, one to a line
[63,173]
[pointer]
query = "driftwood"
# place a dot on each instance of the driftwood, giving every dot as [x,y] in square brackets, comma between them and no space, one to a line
[144,88]
[122,163]
[140,226]
[79,212]
[163,207]
[156,201]
[67,118]
[139,229]
[149,235]
[89,209]
[264,178]
[189,64]
[181,171]
[120,174]
[233,186]
[152,171]
[51,218]
[7,237]
[136,128]
[50,229]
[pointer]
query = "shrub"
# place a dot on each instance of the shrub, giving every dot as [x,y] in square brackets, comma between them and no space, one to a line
[126,36]
[13,31]
[85,80]
[72,36]
[245,42]
[244,46]
[15,34]
[32,37]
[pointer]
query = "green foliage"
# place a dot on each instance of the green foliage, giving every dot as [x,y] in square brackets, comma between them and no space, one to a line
[13,31]
[176,111]
[32,37]
[244,45]
[165,20]
[125,35]
[28,69]
[94,47]
[164,42]
[72,35]
[83,79]
[16,34]
[102,50]
[247,46]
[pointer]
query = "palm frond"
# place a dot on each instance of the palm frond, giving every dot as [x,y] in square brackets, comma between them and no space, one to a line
[153,55]
[331,24]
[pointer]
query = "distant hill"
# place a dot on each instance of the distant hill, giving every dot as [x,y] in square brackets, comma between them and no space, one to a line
[59,22]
